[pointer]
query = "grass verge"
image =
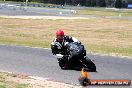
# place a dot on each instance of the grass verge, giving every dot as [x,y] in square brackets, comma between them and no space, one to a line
[99,35]
[105,12]
[13,80]
[5,81]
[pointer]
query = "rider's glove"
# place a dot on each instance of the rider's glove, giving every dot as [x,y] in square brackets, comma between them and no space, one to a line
[54,49]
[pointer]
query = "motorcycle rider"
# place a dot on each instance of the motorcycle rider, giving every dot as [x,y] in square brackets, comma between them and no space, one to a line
[58,45]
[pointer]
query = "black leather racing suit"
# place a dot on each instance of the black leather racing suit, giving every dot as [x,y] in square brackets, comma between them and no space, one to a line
[60,47]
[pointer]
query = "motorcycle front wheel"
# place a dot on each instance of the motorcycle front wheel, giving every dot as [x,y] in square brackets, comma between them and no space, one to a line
[89,64]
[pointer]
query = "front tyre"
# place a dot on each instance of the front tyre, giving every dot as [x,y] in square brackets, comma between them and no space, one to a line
[89,64]
[61,63]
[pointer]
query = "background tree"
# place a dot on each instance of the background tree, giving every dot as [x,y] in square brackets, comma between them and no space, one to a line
[100,3]
[90,3]
[87,3]
[118,3]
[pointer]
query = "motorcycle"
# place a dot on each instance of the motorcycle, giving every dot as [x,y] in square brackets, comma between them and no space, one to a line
[76,58]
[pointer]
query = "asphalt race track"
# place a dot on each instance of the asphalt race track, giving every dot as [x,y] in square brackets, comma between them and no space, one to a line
[40,62]
[17,10]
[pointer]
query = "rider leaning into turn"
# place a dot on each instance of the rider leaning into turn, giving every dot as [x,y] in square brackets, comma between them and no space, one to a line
[58,45]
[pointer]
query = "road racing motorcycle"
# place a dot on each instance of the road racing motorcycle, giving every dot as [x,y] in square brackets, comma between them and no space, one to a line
[76,58]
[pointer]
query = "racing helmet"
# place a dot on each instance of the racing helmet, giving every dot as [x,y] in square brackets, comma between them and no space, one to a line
[59,35]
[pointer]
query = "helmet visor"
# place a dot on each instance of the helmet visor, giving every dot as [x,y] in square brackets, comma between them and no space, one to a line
[60,37]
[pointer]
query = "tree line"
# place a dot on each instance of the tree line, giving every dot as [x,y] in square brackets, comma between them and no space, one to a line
[88,3]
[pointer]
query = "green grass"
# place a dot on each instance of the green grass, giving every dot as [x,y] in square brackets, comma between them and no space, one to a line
[26,43]
[11,84]
[21,85]
[2,86]
[107,36]
[4,83]
[110,50]
[104,12]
